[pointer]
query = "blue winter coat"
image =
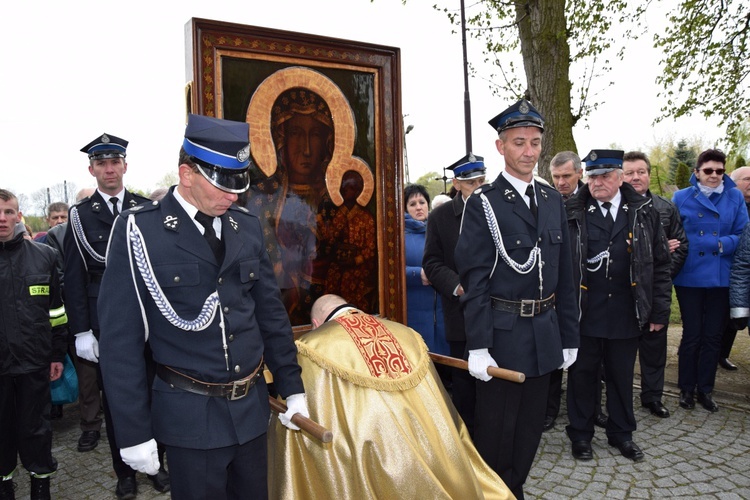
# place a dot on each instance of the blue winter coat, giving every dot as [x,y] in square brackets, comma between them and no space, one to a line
[424,310]
[713,227]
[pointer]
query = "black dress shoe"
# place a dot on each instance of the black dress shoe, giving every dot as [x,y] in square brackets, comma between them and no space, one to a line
[88,440]
[549,422]
[707,401]
[127,488]
[601,420]
[160,480]
[582,450]
[727,365]
[628,449]
[657,409]
[686,400]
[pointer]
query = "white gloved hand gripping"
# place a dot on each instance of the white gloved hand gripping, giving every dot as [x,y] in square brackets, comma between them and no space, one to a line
[142,457]
[87,347]
[296,403]
[479,361]
[569,357]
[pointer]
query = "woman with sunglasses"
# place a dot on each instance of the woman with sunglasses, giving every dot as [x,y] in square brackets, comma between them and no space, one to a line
[714,216]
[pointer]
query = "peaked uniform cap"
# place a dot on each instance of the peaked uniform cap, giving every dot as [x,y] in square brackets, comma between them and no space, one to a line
[469,167]
[105,146]
[521,114]
[221,149]
[601,161]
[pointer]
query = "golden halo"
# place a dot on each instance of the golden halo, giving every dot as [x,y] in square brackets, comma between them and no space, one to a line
[261,140]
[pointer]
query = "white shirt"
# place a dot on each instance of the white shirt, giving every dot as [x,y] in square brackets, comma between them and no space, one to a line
[191,211]
[120,198]
[615,205]
[519,186]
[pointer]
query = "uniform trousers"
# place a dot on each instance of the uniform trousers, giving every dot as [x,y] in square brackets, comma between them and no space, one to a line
[508,426]
[89,397]
[705,313]
[464,387]
[230,473]
[25,428]
[652,356]
[583,382]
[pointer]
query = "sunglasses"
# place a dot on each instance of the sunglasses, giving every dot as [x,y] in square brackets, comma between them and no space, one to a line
[717,171]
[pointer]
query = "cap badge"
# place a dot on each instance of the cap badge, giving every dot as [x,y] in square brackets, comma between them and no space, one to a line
[472,158]
[523,108]
[593,156]
[243,154]
[105,138]
[171,222]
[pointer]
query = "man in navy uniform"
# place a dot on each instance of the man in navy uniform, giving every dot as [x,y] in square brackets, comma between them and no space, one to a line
[439,265]
[191,275]
[519,306]
[622,268]
[85,244]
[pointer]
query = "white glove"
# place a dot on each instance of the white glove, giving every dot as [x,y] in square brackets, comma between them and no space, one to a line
[569,357]
[296,403]
[87,347]
[479,361]
[142,457]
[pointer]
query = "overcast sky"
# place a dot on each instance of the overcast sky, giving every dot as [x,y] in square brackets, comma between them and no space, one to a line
[76,69]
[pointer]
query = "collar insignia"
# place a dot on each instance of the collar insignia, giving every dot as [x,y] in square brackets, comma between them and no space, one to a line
[132,203]
[510,194]
[234,224]
[625,207]
[544,193]
[592,208]
[171,222]
[96,206]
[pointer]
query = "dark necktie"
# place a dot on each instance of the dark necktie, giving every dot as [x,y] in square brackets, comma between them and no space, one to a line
[113,201]
[608,216]
[210,235]
[532,201]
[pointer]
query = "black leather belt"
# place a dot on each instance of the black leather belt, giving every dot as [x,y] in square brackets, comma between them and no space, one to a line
[524,308]
[235,390]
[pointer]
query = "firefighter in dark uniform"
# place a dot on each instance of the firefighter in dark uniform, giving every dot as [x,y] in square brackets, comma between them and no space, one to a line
[85,243]
[439,264]
[518,303]
[623,272]
[191,275]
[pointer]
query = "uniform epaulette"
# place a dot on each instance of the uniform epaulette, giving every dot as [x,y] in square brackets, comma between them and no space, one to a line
[143,207]
[82,201]
[237,208]
[484,188]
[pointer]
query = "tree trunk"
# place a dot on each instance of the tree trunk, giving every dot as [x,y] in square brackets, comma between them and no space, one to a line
[546,60]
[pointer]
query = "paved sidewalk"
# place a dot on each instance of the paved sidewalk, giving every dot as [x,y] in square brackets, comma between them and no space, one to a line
[692,454]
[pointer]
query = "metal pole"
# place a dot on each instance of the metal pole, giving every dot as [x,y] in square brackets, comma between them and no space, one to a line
[467,100]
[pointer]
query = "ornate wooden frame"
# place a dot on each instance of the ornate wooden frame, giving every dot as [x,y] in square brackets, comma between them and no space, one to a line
[224,57]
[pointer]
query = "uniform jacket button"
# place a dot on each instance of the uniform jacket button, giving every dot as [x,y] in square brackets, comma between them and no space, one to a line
[237,369]
[230,338]
[176,279]
[226,309]
[252,275]
[221,281]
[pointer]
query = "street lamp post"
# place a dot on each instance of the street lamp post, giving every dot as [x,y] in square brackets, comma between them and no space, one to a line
[406,155]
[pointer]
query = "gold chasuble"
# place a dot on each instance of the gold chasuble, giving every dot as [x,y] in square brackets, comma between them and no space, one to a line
[396,434]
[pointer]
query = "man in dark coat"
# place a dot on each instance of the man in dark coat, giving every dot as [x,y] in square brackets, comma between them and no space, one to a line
[439,265]
[516,271]
[622,267]
[85,244]
[202,291]
[652,346]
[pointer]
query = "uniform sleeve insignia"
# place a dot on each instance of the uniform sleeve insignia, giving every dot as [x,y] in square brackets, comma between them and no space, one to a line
[171,222]
[96,206]
[234,224]
[591,208]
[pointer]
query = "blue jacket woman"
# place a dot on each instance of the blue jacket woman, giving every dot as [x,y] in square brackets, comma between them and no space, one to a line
[424,311]
[714,215]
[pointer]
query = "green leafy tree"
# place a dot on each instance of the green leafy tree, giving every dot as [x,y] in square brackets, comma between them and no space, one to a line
[682,176]
[433,182]
[658,184]
[706,62]
[739,162]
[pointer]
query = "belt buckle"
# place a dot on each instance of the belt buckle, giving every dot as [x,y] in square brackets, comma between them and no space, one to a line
[527,308]
[239,389]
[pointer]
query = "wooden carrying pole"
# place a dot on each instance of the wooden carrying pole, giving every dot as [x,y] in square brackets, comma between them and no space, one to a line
[310,426]
[502,373]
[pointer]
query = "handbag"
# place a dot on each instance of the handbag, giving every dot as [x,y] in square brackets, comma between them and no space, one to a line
[65,389]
